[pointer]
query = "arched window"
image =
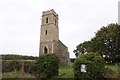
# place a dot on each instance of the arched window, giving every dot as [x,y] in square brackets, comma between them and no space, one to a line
[45,50]
[46,19]
[46,32]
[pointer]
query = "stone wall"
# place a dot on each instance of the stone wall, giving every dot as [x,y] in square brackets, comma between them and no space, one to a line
[58,48]
[64,54]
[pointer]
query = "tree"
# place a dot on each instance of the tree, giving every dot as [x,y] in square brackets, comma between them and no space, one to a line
[83,48]
[106,42]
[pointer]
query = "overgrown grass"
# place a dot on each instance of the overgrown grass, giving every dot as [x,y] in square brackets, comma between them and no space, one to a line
[112,71]
[16,75]
[112,67]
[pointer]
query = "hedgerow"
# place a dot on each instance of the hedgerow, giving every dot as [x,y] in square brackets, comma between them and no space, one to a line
[16,65]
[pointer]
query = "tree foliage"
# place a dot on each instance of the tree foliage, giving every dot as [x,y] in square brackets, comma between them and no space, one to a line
[47,66]
[95,67]
[17,57]
[106,42]
[83,48]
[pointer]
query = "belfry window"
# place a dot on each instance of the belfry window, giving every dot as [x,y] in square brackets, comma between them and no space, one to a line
[46,19]
[55,22]
[46,32]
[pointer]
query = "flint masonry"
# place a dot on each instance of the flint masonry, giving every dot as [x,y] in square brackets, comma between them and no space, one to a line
[49,37]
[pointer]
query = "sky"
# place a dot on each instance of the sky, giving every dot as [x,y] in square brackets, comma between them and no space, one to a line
[20,22]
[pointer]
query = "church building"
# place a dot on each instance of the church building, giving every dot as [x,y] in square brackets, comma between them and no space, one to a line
[49,37]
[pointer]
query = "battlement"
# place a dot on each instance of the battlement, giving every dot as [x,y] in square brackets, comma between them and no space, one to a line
[49,12]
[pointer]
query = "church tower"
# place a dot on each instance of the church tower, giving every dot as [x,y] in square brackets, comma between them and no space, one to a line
[49,37]
[49,26]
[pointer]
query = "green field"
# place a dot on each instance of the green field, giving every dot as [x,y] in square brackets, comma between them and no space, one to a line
[66,72]
[112,67]
[16,75]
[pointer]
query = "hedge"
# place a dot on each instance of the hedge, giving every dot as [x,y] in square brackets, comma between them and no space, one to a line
[29,67]
[16,65]
[47,66]
[94,67]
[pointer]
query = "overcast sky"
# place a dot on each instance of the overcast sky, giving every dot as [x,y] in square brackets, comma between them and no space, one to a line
[20,22]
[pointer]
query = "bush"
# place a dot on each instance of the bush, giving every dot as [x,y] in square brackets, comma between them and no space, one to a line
[7,66]
[94,67]
[29,67]
[47,66]
[10,65]
[16,65]
[72,60]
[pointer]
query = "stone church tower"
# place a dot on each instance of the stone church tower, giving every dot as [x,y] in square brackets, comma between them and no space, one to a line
[49,38]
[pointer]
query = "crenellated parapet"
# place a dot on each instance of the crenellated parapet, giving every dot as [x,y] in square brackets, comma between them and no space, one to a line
[44,13]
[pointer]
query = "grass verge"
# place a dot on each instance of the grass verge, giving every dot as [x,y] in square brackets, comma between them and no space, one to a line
[16,75]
